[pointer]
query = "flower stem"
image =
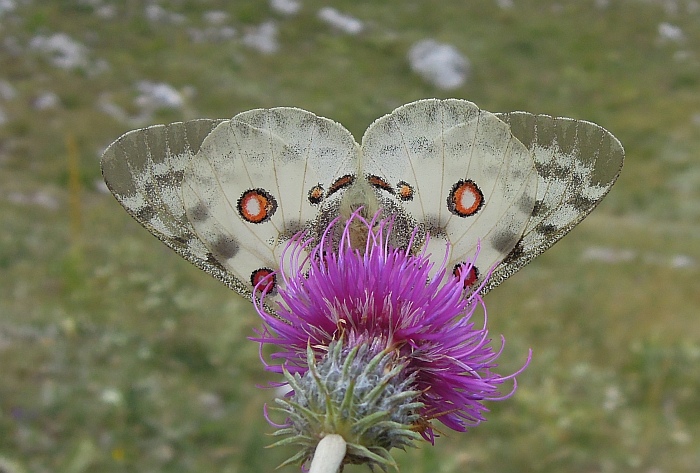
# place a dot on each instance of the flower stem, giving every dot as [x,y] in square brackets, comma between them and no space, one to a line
[329,454]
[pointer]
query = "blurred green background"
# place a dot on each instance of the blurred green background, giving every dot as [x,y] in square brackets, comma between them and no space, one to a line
[116,355]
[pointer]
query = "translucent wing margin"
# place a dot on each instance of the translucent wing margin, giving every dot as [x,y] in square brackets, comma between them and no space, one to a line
[577,163]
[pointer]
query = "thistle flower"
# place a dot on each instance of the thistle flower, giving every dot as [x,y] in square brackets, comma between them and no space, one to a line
[386,301]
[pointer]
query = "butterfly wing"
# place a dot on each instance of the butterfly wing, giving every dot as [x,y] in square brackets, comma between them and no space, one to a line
[472,183]
[144,169]
[577,163]
[226,194]
[247,191]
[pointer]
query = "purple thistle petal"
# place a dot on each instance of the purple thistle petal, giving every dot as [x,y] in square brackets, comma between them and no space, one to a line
[332,291]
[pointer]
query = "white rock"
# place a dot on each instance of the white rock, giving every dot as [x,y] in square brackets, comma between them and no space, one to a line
[105,105]
[7,6]
[670,33]
[7,91]
[157,95]
[438,63]
[106,12]
[215,17]
[158,14]
[682,261]
[226,32]
[61,49]
[608,255]
[155,13]
[211,34]
[340,21]
[286,7]
[263,37]
[3,117]
[46,101]
[112,396]
[40,197]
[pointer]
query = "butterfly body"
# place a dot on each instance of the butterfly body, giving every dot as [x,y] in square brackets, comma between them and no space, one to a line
[229,194]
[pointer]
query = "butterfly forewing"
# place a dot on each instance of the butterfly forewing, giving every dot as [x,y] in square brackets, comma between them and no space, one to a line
[144,170]
[577,163]
[319,154]
[247,190]
[474,183]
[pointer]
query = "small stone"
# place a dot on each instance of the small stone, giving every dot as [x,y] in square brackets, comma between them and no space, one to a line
[7,6]
[215,17]
[7,91]
[263,38]
[158,95]
[340,21]
[438,63]
[62,51]
[46,101]
[670,33]
[286,7]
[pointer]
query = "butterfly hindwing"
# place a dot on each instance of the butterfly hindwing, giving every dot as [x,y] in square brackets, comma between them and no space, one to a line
[577,163]
[474,184]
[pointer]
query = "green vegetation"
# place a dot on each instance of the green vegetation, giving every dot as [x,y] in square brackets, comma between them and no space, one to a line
[117,356]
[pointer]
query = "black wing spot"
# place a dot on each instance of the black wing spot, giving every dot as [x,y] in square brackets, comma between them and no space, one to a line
[225,247]
[199,212]
[503,241]
[145,213]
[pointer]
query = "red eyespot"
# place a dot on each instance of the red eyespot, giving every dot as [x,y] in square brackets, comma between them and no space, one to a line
[465,199]
[404,191]
[471,278]
[316,194]
[269,280]
[256,206]
[379,183]
[340,183]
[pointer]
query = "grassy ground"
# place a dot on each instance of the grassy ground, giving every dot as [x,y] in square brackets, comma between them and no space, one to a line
[116,355]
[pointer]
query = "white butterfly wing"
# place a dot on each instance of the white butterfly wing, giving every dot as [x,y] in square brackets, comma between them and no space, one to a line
[247,191]
[144,170]
[227,194]
[473,182]
[577,163]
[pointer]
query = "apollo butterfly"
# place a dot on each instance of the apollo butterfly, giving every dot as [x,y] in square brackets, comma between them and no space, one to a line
[228,194]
